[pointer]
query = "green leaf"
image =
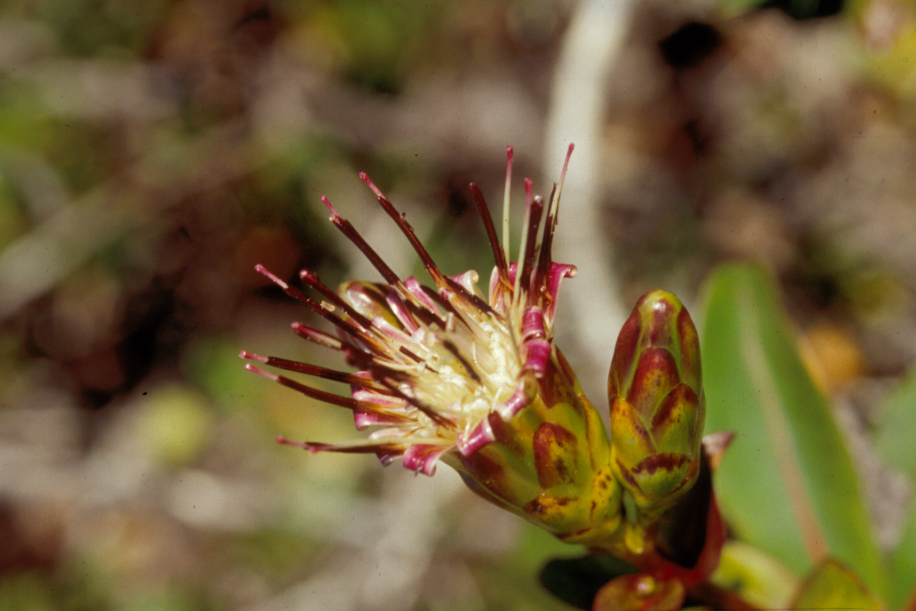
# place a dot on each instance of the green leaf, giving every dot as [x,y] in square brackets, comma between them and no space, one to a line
[897,426]
[903,566]
[834,586]
[787,484]
[895,432]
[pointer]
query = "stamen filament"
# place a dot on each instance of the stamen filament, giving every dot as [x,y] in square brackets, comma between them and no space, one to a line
[348,230]
[526,225]
[506,193]
[311,279]
[313,370]
[314,393]
[441,280]
[427,410]
[316,307]
[315,336]
[498,255]
[405,227]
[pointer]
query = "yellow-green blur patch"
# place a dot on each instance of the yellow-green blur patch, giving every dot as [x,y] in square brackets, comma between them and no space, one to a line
[897,426]
[25,592]
[833,585]
[759,578]
[175,424]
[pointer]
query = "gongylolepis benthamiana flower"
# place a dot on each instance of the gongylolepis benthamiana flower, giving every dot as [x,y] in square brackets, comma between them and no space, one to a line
[449,375]
[446,374]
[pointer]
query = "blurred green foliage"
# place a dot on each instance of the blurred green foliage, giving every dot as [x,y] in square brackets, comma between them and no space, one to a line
[757,386]
[789,455]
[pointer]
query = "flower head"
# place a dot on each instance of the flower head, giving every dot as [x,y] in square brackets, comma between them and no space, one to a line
[447,374]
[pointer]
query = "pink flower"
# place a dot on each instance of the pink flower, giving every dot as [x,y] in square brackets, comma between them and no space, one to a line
[447,374]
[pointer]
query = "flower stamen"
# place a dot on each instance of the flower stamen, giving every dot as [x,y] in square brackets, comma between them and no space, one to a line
[498,255]
[311,279]
[440,367]
[348,230]
[315,393]
[312,370]
[506,200]
[316,336]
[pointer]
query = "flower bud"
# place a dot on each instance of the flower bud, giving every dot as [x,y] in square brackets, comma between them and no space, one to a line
[656,403]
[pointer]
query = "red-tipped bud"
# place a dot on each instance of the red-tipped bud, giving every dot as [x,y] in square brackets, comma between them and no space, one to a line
[656,403]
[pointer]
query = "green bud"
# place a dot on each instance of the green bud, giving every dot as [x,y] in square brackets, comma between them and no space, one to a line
[656,403]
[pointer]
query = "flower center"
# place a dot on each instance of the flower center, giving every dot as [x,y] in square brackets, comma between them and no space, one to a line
[469,368]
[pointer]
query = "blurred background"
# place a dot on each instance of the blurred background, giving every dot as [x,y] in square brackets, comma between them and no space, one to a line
[152,152]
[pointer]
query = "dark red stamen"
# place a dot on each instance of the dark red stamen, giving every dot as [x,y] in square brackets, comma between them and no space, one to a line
[479,303]
[408,352]
[424,315]
[498,255]
[312,280]
[315,336]
[355,355]
[312,370]
[435,273]
[545,255]
[376,448]
[406,229]
[316,307]
[449,307]
[531,250]
[321,395]
[444,304]
[348,230]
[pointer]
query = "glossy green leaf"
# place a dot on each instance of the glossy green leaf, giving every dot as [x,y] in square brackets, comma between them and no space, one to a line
[833,585]
[903,567]
[787,484]
[897,426]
